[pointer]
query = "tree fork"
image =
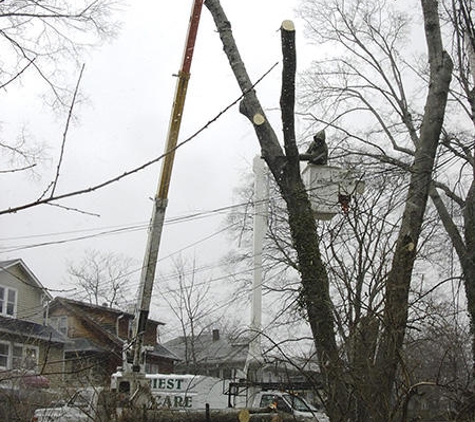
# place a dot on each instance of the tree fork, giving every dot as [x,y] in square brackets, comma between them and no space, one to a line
[399,280]
[286,171]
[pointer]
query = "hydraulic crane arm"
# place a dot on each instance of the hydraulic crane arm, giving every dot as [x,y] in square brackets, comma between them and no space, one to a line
[161,199]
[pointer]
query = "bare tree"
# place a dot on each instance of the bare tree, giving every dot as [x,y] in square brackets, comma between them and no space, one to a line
[188,299]
[357,247]
[377,76]
[285,167]
[103,278]
[35,36]
[436,373]
[197,311]
[42,42]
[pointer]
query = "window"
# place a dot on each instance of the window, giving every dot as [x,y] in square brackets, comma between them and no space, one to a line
[152,368]
[4,351]
[282,405]
[63,325]
[227,373]
[18,356]
[8,297]
[266,400]
[60,324]
[30,357]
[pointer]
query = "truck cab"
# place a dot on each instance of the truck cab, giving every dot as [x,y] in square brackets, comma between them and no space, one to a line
[288,403]
[86,405]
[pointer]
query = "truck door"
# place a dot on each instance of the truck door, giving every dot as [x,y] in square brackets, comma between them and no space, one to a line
[274,402]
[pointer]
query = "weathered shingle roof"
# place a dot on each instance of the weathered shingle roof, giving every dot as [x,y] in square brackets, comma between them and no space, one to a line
[78,345]
[87,306]
[30,330]
[209,350]
[163,352]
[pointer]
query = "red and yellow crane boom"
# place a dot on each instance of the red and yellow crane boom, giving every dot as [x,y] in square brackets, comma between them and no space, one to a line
[161,199]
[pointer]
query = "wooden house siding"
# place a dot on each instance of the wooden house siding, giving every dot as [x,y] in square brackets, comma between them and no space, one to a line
[51,360]
[78,329]
[29,298]
[98,334]
[124,328]
[115,323]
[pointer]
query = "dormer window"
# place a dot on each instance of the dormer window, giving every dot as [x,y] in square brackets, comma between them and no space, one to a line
[8,300]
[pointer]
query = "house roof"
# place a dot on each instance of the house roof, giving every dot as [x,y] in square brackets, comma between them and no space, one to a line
[79,309]
[210,350]
[83,311]
[89,306]
[163,352]
[78,345]
[30,330]
[8,264]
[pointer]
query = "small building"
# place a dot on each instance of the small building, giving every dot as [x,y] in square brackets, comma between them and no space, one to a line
[97,335]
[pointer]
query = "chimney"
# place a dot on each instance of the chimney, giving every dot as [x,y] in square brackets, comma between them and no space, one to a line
[215,334]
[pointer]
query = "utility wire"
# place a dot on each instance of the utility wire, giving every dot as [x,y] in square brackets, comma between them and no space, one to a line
[111,230]
[52,198]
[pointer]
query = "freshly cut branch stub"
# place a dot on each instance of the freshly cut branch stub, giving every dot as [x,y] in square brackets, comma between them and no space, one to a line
[258,119]
[288,25]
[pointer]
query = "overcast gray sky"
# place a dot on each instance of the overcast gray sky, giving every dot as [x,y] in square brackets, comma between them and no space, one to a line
[129,85]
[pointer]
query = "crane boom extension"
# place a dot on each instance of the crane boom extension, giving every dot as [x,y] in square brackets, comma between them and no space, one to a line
[161,199]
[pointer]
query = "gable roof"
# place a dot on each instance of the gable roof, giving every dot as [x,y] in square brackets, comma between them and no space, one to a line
[163,352]
[35,282]
[82,310]
[77,309]
[85,307]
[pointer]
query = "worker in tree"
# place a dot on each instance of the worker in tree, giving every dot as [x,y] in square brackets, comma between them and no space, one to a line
[317,152]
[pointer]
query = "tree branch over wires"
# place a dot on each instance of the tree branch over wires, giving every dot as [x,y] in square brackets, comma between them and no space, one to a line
[56,197]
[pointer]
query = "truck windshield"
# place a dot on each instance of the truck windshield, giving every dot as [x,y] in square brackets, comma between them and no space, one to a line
[81,399]
[299,404]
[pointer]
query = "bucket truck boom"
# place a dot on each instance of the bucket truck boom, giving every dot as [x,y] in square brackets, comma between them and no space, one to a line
[136,373]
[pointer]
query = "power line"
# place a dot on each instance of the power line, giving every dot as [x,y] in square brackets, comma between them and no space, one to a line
[110,230]
[128,173]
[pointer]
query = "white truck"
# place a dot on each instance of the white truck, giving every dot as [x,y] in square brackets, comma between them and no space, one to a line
[194,392]
[86,404]
[176,392]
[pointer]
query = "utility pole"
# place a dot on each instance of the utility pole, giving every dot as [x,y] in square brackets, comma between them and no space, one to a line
[261,197]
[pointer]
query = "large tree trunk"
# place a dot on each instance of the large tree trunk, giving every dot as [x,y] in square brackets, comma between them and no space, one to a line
[464,247]
[285,168]
[373,391]
[398,284]
[467,260]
